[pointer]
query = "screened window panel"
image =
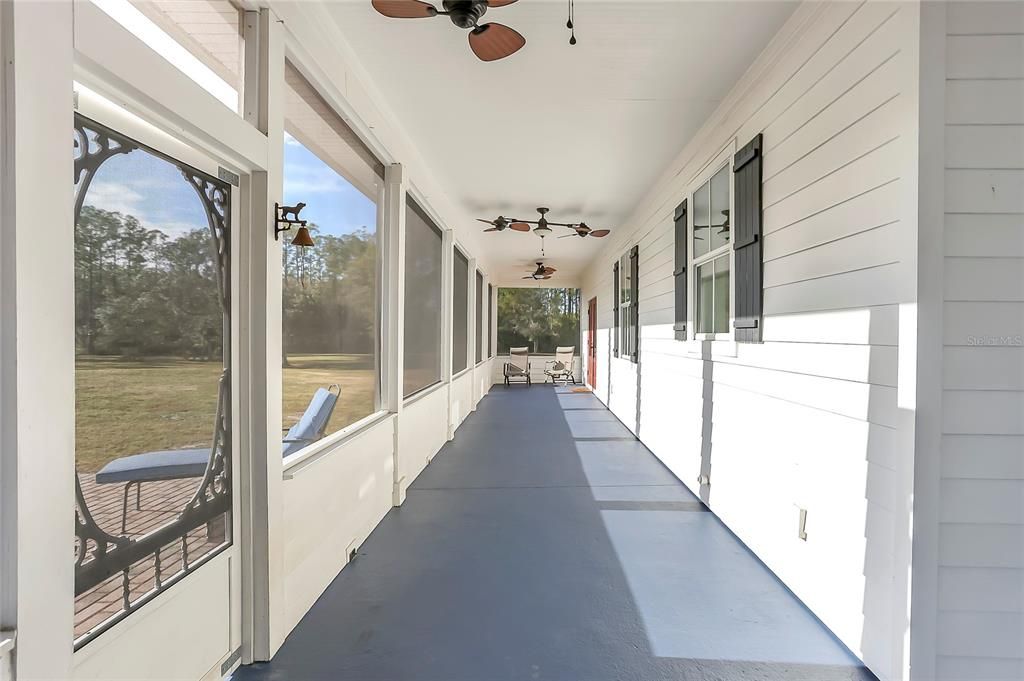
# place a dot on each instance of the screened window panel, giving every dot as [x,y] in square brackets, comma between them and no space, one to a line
[312,122]
[481,312]
[331,291]
[423,328]
[539,318]
[152,372]
[209,29]
[460,313]
[201,38]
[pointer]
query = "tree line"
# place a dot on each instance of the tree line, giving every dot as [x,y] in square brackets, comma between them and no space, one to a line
[140,292]
[538,318]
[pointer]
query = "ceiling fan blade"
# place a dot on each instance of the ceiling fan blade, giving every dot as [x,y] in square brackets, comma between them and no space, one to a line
[494,41]
[492,229]
[547,277]
[549,270]
[528,277]
[488,222]
[499,3]
[520,226]
[404,9]
[600,233]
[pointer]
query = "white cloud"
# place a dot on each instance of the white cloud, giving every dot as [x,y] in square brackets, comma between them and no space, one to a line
[299,179]
[115,197]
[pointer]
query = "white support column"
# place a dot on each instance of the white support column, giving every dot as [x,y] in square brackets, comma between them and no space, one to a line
[927,384]
[492,306]
[448,305]
[485,337]
[393,315]
[263,629]
[474,308]
[37,337]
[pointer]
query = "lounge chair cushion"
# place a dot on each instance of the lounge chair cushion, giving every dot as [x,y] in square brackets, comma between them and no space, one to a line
[170,464]
[313,423]
[175,464]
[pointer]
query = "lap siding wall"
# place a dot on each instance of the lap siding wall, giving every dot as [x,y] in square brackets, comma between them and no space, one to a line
[810,418]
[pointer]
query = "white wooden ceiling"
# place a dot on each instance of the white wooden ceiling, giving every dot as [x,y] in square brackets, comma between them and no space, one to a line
[584,130]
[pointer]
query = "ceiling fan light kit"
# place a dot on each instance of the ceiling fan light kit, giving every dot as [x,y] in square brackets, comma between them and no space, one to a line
[489,42]
[543,227]
[541,273]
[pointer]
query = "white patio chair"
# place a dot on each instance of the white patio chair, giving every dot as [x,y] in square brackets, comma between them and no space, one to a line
[560,368]
[518,365]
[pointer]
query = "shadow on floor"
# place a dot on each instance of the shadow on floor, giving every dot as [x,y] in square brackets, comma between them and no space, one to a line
[545,542]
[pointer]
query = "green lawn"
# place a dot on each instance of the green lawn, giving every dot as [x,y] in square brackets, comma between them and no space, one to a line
[127,407]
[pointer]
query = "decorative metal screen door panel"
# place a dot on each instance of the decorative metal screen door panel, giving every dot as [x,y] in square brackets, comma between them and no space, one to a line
[153,482]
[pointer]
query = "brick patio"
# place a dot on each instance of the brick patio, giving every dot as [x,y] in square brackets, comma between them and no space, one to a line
[160,504]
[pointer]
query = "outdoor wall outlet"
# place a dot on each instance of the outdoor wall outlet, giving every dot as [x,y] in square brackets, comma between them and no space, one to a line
[802,529]
[352,551]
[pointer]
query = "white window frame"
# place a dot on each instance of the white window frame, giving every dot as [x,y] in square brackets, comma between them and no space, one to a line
[626,330]
[725,340]
[146,129]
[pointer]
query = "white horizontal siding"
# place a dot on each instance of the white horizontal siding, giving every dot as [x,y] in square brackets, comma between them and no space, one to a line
[980,625]
[809,418]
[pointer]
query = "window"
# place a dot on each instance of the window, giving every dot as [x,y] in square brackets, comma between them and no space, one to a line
[460,313]
[152,373]
[615,309]
[481,316]
[202,39]
[712,253]
[331,290]
[423,327]
[627,310]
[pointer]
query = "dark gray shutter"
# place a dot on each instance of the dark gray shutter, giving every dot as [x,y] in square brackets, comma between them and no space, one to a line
[746,230]
[615,307]
[680,271]
[634,304]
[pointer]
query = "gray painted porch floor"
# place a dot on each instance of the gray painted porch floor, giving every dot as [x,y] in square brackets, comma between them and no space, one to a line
[545,542]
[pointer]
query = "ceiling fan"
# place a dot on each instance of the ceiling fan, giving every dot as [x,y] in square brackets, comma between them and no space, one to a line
[541,272]
[543,227]
[582,230]
[488,41]
[501,223]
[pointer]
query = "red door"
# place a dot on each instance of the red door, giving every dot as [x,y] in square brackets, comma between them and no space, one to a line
[592,343]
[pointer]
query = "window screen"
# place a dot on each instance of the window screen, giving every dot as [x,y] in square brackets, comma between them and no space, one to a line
[330,291]
[460,313]
[422,300]
[201,38]
[490,324]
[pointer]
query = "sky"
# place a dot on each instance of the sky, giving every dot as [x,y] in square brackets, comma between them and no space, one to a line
[151,189]
[155,192]
[331,202]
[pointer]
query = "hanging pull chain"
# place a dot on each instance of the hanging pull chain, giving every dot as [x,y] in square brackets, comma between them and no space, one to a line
[569,24]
